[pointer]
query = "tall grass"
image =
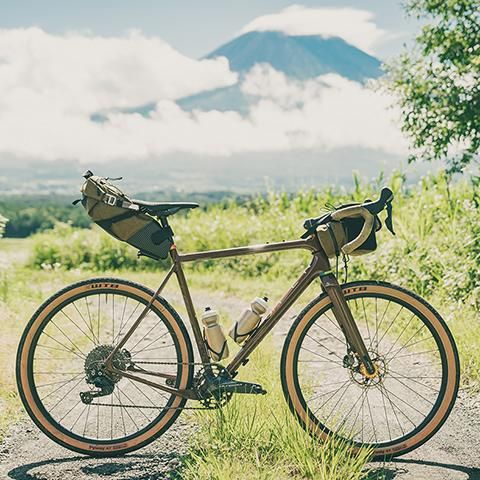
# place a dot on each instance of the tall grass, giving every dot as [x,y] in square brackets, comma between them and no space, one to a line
[258,438]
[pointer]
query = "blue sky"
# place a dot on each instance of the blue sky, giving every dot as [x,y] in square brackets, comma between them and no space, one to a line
[193,27]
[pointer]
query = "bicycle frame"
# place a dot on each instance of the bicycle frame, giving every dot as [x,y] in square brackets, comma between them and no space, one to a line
[319,267]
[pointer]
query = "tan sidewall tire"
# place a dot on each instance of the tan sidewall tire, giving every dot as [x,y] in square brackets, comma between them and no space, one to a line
[452,362]
[25,390]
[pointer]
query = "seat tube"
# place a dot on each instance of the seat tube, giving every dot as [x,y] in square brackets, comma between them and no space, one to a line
[182,282]
[345,319]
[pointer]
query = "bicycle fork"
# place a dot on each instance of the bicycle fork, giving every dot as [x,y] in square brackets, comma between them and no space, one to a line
[346,321]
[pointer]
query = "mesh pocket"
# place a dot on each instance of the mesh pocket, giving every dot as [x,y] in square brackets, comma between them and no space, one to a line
[152,240]
[353,227]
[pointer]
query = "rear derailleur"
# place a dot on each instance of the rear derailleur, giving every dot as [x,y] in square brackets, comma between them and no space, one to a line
[97,375]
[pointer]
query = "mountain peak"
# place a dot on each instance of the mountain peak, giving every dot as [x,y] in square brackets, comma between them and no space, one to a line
[299,56]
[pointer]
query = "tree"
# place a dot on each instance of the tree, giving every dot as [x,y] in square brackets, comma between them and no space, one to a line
[437,82]
[3,222]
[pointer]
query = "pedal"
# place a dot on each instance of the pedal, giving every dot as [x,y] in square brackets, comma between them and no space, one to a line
[228,385]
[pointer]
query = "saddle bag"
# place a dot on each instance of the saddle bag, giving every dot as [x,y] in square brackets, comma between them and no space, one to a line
[112,210]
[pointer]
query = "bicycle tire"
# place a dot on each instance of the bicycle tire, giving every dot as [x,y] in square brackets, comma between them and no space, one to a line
[448,358]
[29,343]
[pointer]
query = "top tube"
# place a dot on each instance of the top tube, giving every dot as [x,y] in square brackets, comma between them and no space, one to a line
[310,244]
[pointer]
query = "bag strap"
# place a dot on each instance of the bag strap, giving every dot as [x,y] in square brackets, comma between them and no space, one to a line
[334,240]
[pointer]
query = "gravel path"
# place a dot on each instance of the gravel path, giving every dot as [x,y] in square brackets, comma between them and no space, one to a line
[26,454]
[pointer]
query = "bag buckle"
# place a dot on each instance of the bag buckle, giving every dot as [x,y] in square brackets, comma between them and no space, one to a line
[110,199]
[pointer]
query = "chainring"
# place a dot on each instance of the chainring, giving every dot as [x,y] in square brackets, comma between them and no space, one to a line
[202,382]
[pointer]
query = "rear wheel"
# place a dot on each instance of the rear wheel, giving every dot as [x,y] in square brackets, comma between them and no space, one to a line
[410,394]
[61,356]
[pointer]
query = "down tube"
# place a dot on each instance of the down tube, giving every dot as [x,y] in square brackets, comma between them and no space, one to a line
[316,266]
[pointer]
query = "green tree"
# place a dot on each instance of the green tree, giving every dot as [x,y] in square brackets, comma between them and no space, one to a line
[3,222]
[437,82]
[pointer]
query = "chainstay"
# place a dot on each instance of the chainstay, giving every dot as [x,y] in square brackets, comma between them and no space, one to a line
[151,407]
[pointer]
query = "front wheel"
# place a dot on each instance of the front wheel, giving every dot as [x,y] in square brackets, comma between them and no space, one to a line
[61,357]
[408,397]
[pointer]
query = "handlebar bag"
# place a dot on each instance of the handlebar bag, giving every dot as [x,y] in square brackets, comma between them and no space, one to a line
[335,234]
[112,210]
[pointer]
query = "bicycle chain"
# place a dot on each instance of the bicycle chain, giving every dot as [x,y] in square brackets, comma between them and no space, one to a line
[153,407]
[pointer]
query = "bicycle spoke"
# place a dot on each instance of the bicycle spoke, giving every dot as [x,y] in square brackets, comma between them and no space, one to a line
[133,404]
[86,419]
[412,390]
[331,396]
[65,348]
[321,356]
[386,416]
[89,327]
[366,321]
[407,344]
[146,334]
[121,412]
[121,321]
[390,325]
[66,336]
[78,418]
[59,388]
[74,323]
[331,352]
[371,418]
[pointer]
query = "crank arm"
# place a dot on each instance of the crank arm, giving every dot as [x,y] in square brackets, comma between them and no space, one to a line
[184,393]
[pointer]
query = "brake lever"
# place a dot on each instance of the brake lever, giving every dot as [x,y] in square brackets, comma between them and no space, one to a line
[389,219]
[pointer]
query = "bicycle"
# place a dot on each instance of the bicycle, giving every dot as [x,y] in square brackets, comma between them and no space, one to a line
[106,365]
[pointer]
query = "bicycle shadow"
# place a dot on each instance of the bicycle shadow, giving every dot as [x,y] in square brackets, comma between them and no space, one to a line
[392,471]
[130,467]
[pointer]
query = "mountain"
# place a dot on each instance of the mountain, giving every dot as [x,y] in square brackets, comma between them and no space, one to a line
[298,57]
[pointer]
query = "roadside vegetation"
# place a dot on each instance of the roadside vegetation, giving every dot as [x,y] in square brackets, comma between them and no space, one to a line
[435,253]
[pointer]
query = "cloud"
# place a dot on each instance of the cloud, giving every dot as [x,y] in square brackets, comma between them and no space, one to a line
[353,25]
[51,85]
[81,73]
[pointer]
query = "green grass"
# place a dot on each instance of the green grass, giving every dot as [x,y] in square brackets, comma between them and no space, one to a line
[258,438]
[436,253]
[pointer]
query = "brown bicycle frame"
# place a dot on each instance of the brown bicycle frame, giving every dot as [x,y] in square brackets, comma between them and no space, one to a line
[319,267]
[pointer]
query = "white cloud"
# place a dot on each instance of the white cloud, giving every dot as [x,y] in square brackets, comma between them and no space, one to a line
[51,85]
[353,25]
[81,73]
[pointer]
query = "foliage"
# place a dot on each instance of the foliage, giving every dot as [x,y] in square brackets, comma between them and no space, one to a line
[438,82]
[437,244]
[3,222]
[30,214]
[260,439]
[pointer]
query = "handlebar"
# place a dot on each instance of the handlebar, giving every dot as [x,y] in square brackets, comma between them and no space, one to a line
[386,196]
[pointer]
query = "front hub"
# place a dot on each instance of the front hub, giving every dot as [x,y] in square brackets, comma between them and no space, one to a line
[360,375]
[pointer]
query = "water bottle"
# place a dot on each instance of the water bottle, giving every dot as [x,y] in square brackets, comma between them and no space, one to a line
[214,336]
[249,320]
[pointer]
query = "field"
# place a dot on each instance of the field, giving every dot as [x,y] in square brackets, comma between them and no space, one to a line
[435,253]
